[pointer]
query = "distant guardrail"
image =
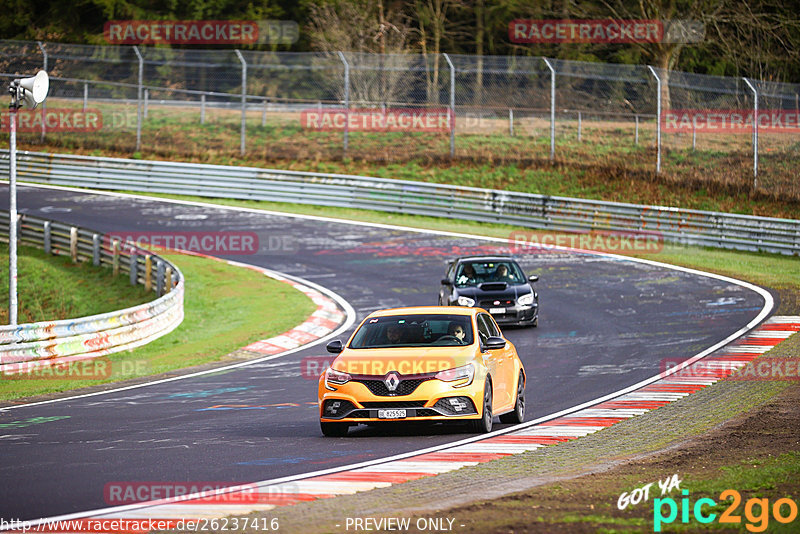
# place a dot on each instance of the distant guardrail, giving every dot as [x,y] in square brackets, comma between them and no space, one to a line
[684,226]
[27,346]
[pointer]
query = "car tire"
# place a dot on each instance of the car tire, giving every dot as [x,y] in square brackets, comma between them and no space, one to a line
[334,430]
[518,414]
[484,424]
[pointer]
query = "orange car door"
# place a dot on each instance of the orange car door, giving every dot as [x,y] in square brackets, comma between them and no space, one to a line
[495,362]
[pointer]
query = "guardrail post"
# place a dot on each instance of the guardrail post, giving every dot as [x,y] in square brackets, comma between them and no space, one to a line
[159,277]
[346,102]
[148,272]
[452,105]
[47,239]
[203,109]
[755,132]
[552,109]
[244,102]
[44,68]
[139,99]
[133,262]
[264,113]
[73,244]
[168,279]
[658,118]
[115,257]
[96,250]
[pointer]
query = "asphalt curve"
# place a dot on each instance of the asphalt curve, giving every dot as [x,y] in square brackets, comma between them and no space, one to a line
[605,324]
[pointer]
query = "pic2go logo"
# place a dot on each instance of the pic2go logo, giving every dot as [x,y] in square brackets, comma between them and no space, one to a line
[758,521]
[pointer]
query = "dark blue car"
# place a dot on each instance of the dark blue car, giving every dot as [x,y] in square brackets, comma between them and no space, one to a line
[494,283]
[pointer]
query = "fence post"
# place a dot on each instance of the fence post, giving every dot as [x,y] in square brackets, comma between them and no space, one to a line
[47,240]
[146,98]
[346,101]
[96,250]
[203,108]
[85,96]
[44,68]
[552,109]
[636,131]
[244,101]
[580,123]
[658,119]
[755,132]
[134,267]
[511,122]
[73,244]
[139,99]
[115,257]
[264,113]
[452,105]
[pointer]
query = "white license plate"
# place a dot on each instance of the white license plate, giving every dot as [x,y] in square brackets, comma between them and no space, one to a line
[391,414]
[497,310]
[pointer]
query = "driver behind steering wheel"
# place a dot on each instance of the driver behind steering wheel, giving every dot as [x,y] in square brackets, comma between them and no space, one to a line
[457,331]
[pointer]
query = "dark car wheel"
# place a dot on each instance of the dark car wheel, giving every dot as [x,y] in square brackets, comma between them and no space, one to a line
[484,424]
[518,415]
[334,430]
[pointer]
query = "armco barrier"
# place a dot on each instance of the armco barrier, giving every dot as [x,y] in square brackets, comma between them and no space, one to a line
[690,227]
[26,346]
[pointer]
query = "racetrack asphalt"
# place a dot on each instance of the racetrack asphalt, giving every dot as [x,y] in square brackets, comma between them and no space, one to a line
[605,323]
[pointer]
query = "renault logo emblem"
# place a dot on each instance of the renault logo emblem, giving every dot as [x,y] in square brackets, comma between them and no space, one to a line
[391,381]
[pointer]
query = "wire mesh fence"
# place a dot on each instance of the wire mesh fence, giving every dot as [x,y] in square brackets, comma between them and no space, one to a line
[401,107]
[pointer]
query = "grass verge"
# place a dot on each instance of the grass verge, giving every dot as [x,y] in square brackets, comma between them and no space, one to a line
[225,307]
[52,288]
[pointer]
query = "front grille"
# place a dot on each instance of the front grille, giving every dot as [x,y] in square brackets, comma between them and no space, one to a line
[503,303]
[394,404]
[405,387]
[427,412]
[463,406]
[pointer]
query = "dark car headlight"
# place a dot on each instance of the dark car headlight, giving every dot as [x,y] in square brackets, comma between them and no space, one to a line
[466,301]
[334,377]
[526,300]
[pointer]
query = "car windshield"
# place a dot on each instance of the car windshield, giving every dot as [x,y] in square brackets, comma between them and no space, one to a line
[428,330]
[476,272]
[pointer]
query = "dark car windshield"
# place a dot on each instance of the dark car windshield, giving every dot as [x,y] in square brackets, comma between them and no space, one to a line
[476,272]
[428,330]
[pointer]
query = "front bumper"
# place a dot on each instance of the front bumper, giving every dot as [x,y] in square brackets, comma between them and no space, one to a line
[432,400]
[517,314]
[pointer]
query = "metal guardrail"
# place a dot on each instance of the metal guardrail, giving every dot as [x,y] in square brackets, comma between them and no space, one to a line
[27,346]
[683,226]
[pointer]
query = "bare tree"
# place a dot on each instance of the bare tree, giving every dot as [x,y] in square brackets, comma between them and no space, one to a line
[361,28]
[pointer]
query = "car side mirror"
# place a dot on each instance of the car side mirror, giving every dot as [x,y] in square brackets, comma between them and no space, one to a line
[494,343]
[446,282]
[533,278]
[335,346]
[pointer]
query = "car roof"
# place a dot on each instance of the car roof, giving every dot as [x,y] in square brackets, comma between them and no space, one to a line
[417,310]
[496,257]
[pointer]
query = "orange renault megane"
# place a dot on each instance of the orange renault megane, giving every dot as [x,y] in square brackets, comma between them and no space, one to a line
[431,363]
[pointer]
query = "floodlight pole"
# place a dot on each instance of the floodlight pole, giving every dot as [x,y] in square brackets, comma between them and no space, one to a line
[12,214]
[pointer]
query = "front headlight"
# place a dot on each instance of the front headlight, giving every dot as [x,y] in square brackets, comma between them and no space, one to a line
[465,372]
[525,300]
[466,301]
[332,376]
